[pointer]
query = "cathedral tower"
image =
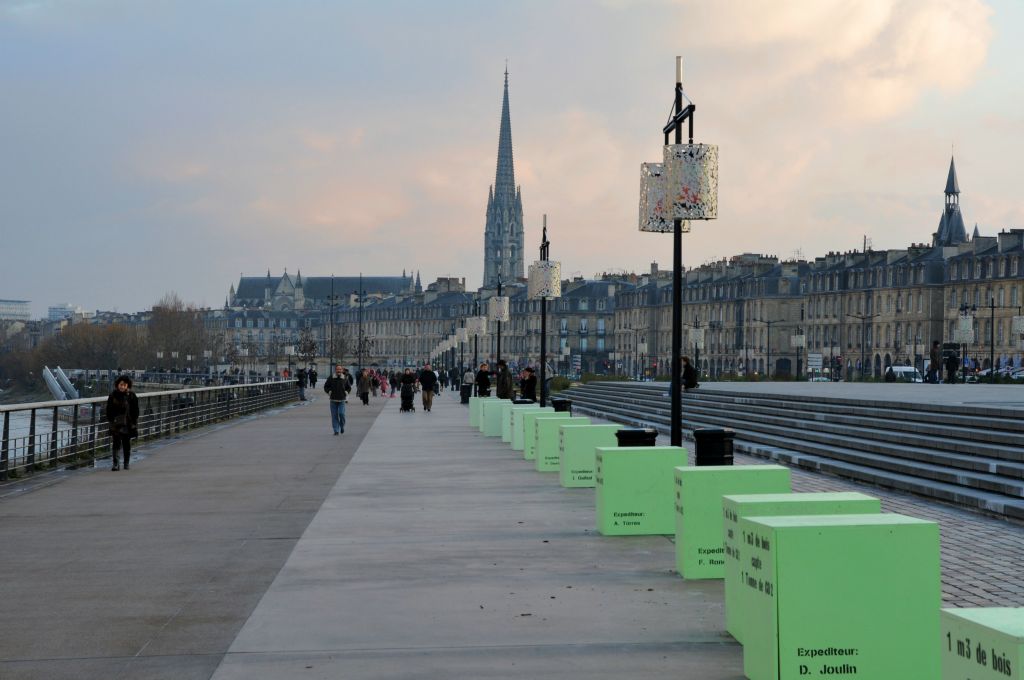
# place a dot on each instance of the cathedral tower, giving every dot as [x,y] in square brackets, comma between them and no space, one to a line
[503,234]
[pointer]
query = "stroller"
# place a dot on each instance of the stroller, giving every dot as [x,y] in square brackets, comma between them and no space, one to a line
[408,392]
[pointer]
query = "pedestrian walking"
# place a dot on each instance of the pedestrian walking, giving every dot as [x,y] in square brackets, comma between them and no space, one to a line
[408,391]
[428,381]
[337,389]
[374,383]
[393,382]
[122,414]
[300,380]
[934,363]
[363,389]
[311,375]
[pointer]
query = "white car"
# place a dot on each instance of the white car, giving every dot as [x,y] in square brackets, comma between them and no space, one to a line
[907,374]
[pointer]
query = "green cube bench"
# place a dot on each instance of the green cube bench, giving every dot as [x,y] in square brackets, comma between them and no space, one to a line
[547,452]
[530,430]
[576,445]
[854,596]
[736,507]
[519,425]
[633,489]
[475,404]
[494,411]
[506,424]
[983,643]
[700,553]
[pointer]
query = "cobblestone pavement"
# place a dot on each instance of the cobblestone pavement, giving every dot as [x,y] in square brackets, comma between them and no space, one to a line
[982,556]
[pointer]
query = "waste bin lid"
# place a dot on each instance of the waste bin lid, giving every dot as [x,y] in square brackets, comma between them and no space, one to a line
[523,401]
[712,431]
[637,430]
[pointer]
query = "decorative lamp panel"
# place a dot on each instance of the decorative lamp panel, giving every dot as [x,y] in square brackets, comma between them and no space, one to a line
[497,309]
[545,280]
[690,174]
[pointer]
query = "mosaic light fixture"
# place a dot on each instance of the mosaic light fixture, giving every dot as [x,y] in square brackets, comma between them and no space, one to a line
[545,280]
[498,309]
[462,334]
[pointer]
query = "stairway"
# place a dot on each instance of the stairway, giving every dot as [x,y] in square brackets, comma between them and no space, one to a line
[969,456]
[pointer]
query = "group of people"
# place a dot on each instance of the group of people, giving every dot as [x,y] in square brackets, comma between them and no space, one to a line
[504,382]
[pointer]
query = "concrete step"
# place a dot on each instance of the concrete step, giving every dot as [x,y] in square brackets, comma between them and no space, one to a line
[839,444]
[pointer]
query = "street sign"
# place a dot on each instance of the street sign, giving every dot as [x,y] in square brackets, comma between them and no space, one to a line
[814,361]
[963,336]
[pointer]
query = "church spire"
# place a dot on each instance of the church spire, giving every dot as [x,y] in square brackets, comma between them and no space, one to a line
[503,234]
[951,225]
[952,186]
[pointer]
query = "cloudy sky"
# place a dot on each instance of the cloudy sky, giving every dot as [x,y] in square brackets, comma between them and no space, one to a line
[157,145]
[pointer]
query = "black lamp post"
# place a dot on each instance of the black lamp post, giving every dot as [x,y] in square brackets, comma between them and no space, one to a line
[476,337]
[863,338]
[769,322]
[545,246]
[499,322]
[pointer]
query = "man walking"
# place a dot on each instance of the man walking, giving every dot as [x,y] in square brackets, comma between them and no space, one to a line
[428,381]
[337,388]
[934,363]
[300,380]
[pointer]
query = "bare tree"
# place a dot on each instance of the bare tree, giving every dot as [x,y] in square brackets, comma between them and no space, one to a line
[307,347]
[177,327]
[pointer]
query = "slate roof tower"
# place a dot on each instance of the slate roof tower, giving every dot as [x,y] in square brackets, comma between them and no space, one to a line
[951,224]
[503,234]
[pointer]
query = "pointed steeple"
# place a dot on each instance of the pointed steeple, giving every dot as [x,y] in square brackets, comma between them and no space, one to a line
[952,186]
[976,232]
[503,234]
[298,279]
[419,286]
[505,177]
[951,229]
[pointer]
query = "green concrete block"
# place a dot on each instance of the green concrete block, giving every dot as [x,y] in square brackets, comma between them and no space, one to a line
[506,424]
[982,643]
[475,407]
[530,430]
[576,451]
[698,505]
[493,412]
[841,595]
[736,507]
[547,452]
[486,405]
[633,489]
[519,425]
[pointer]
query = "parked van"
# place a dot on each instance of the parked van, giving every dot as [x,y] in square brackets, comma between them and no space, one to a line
[907,374]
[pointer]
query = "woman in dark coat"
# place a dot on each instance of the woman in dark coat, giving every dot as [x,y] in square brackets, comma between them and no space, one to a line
[689,375]
[528,384]
[123,418]
[483,381]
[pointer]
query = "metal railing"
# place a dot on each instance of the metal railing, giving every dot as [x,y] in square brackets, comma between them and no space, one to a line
[46,435]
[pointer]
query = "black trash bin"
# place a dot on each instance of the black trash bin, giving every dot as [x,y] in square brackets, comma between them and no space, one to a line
[465,392]
[636,436]
[562,405]
[713,446]
[523,402]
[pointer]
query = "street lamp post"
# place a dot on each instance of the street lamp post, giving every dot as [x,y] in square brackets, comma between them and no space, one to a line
[682,188]
[769,322]
[499,322]
[476,337]
[544,247]
[965,311]
[359,342]
[863,338]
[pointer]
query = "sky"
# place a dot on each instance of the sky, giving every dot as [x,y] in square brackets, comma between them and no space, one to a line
[149,146]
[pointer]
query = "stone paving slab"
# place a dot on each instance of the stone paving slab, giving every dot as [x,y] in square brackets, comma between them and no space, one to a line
[442,554]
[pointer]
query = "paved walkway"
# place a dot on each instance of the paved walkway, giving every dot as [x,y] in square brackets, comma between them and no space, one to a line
[258,550]
[442,554]
[150,573]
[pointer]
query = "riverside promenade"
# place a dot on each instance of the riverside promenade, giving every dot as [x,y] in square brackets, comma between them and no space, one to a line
[411,547]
